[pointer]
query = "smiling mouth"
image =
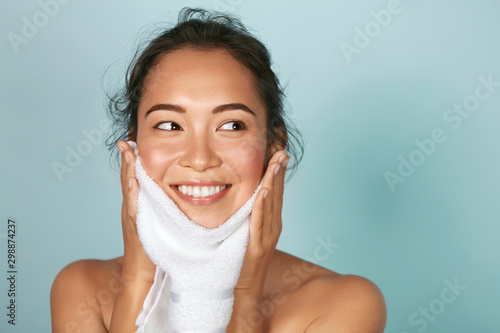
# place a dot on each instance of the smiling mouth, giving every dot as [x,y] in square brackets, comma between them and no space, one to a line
[201,191]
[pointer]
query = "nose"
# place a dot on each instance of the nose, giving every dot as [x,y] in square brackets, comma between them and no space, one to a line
[199,154]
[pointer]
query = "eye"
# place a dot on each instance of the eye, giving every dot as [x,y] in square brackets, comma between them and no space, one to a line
[233,126]
[167,126]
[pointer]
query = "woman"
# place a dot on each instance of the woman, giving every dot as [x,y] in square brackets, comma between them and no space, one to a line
[205,110]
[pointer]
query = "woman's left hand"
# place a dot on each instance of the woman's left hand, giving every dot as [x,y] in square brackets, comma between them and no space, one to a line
[265,229]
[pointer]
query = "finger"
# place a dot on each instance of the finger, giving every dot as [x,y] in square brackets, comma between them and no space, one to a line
[258,215]
[129,182]
[269,205]
[268,179]
[271,174]
[279,186]
[123,167]
[256,219]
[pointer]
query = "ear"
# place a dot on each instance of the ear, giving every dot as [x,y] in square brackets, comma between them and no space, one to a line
[278,142]
[131,135]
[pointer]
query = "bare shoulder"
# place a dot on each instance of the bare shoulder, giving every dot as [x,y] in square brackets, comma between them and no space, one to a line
[350,303]
[317,299]
[83,295]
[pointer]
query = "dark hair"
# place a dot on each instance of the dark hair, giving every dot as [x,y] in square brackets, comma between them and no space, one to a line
[201,29]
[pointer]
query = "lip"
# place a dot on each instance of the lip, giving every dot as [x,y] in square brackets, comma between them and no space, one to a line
[201,183]
[201,200]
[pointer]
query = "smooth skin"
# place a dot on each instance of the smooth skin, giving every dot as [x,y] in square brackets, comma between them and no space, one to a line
[276,292]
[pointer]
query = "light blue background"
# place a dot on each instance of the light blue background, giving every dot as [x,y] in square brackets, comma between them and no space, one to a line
[357,117]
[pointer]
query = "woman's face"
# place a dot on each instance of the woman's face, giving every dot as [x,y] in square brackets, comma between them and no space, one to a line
[202,132]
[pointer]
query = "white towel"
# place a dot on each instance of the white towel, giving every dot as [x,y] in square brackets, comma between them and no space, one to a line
[197,268]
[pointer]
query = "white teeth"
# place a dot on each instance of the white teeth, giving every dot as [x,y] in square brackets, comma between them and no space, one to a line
[200,191]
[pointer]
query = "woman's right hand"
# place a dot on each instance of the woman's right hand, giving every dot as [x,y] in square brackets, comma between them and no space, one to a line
[138,270]
[137,264]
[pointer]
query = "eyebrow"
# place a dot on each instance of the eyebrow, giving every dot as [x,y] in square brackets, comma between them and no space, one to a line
[218,109]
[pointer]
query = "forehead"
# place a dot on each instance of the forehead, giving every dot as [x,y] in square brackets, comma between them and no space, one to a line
[200,78]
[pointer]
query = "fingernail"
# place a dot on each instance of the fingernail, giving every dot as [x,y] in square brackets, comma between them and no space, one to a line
[281,159]
[265,193]
[127,159]
[129,184]
[277,170]
[286,163]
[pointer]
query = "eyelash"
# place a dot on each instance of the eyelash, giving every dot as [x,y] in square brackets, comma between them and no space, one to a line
[239,122]
[163,122]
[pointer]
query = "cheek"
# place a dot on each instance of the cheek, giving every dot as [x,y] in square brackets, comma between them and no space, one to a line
[247,160]
[155,159]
